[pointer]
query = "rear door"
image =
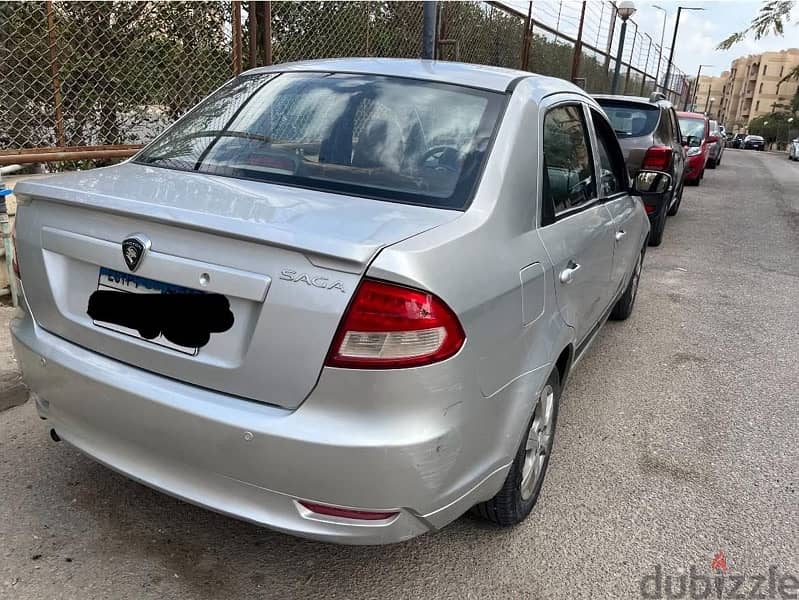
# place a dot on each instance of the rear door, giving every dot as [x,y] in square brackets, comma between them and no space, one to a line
[613,192]
[576,227]
[677,147]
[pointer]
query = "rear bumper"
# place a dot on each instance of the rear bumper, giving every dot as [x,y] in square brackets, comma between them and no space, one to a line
[253,461]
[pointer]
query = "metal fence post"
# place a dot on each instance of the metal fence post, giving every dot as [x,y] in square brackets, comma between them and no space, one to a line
[429,30]
[578,45]
[253,35]
[611,30]
[56,80]
[632,51]
[236,17]
[525,58]
[266,33]
[646,67]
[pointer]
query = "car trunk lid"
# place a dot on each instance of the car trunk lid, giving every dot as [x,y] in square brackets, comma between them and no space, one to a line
[286,259]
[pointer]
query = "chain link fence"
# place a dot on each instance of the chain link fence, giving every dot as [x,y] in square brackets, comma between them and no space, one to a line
[88,75]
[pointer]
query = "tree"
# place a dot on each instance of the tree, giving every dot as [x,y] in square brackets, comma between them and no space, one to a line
[774,127]
[769,21]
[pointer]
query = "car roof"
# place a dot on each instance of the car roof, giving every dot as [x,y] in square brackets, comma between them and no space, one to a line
[691,115]
[486,77]
[631,99]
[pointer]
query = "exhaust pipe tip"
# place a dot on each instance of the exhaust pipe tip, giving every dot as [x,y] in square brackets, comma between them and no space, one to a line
[54,436]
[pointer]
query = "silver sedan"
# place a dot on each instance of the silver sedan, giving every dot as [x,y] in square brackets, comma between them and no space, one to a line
[338,298]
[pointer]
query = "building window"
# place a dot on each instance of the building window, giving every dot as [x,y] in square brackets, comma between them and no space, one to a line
[757,106]
[765,68]
[760,90]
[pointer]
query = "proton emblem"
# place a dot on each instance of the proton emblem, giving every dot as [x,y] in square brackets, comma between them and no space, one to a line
[133,250]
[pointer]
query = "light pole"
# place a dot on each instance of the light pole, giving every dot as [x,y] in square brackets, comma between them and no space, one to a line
[662,37]
[625,10]
[674,41]
[709,107]
[693,96]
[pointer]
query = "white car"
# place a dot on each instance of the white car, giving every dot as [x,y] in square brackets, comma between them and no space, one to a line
[793,150]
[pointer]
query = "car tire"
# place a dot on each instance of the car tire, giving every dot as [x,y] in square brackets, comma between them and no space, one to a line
[711,164]
[522,486]
[676,206]
[656,233]
[624,305]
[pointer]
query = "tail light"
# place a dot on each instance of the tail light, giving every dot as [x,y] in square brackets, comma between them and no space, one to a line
[650,208]
[657,158]
[389,326]
[346,513]
[14,263]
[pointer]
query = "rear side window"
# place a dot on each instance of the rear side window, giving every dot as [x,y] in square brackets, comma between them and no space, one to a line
[569,173]
[675,127]
[631,120]
[613,177]
[388,138]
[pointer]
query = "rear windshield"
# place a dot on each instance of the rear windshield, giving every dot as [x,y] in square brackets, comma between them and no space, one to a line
[693,130]
[631,120]
[383,137]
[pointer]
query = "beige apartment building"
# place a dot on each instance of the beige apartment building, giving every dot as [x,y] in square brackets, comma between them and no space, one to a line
[753,87]
[709,93]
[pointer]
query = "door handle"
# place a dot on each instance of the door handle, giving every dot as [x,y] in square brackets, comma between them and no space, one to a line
[620,234]
[567,274]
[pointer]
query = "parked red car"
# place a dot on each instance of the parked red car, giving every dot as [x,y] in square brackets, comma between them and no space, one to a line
[695,128]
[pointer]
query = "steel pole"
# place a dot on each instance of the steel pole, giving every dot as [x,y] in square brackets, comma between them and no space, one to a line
[671,50]
[429,30]
[615,82]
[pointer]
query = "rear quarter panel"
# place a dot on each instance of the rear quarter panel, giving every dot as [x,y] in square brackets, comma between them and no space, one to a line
[491,268]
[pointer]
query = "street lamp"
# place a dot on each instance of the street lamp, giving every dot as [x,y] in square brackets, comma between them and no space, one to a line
[674,41]
[696,89]
[662,37]
[625,10]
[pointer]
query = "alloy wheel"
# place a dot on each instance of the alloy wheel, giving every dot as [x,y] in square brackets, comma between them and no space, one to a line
[539,442]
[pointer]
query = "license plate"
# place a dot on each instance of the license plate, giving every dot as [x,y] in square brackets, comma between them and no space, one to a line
[109,279]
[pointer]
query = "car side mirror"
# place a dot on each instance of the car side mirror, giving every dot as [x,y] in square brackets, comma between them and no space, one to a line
[651,182]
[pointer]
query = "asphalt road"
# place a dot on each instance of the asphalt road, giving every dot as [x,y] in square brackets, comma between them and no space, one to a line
[677,438]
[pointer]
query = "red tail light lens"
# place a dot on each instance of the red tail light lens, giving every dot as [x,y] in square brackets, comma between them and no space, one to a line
[389,326]
[657,158]
[649,208]
[346,513]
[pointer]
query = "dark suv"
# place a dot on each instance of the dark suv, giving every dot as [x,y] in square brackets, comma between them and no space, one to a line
[650,137]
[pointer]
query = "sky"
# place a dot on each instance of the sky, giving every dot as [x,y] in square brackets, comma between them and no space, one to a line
[699,34]
[701,31]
